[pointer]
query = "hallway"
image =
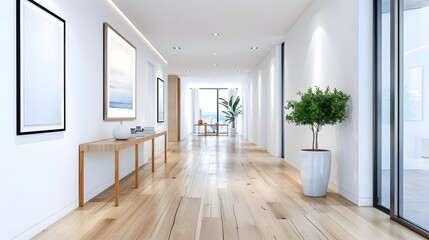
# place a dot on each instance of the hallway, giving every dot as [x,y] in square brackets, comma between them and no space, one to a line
[221,188]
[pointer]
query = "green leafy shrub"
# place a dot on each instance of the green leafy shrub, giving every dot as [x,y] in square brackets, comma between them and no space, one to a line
[317,108]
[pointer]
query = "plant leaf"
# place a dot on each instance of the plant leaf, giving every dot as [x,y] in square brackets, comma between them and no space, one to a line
[317,107]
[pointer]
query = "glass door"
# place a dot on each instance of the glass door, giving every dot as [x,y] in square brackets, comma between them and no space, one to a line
[413,202]
[402,112]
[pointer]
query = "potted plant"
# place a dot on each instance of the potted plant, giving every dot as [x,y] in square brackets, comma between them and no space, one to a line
[233,109]
[316,108]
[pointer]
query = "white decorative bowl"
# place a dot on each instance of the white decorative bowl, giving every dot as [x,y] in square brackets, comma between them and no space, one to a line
[121,132]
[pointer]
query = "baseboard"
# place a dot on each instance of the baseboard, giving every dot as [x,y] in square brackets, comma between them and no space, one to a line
[366,202]
[39,227]
[359,201]
[294,164]
[110,182]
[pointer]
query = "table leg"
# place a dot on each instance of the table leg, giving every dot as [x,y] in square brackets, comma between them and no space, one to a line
[165,147]
[136,153]
[153,154]
[81,178]
[116,178]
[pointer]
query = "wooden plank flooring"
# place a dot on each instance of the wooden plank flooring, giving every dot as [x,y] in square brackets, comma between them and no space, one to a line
[221,188]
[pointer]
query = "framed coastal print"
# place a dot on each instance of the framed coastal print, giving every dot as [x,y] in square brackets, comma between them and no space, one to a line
[41,39]
[160,100]
[120,59]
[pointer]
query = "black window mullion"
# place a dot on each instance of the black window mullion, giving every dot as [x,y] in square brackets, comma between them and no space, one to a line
[377,105]
[394,100]
[217,115]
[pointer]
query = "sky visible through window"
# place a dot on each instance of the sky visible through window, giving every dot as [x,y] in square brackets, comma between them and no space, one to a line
[209,105]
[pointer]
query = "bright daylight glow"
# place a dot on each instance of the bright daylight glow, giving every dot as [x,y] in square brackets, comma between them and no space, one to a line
[316,45]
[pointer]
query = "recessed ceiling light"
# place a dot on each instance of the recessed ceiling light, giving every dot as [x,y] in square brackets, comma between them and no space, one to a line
[215,64]
[177,48]
[215,34]
[215,53]
[240,71]
[253,48]
[214,72]
[188,71]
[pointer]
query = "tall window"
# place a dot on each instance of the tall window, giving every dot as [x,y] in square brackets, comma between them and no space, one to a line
[403,111]
[211,111]
[209,105]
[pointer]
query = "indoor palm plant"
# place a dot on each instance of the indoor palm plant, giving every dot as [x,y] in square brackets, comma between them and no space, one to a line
[316,108]
[233,109]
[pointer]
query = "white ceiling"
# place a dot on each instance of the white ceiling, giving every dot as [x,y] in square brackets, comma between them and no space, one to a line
[190,24]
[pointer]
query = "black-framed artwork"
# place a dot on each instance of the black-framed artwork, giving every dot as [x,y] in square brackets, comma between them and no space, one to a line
[120,76]
[160,100]
[41,57]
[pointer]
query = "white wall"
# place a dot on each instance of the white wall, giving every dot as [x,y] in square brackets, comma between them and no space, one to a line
[331,44]
[39,173]
[265,106]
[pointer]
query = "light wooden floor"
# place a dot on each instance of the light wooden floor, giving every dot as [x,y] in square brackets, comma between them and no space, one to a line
[220,188]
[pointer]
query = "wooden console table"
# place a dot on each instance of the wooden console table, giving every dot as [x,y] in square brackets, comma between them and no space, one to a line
[217,125]
[115,146]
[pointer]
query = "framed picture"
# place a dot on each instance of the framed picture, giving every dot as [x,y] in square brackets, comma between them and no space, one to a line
[41,70]
[120,59]
[160,101]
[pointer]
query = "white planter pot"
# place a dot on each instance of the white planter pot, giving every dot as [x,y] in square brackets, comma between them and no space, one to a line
[233,132]
[315,172]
